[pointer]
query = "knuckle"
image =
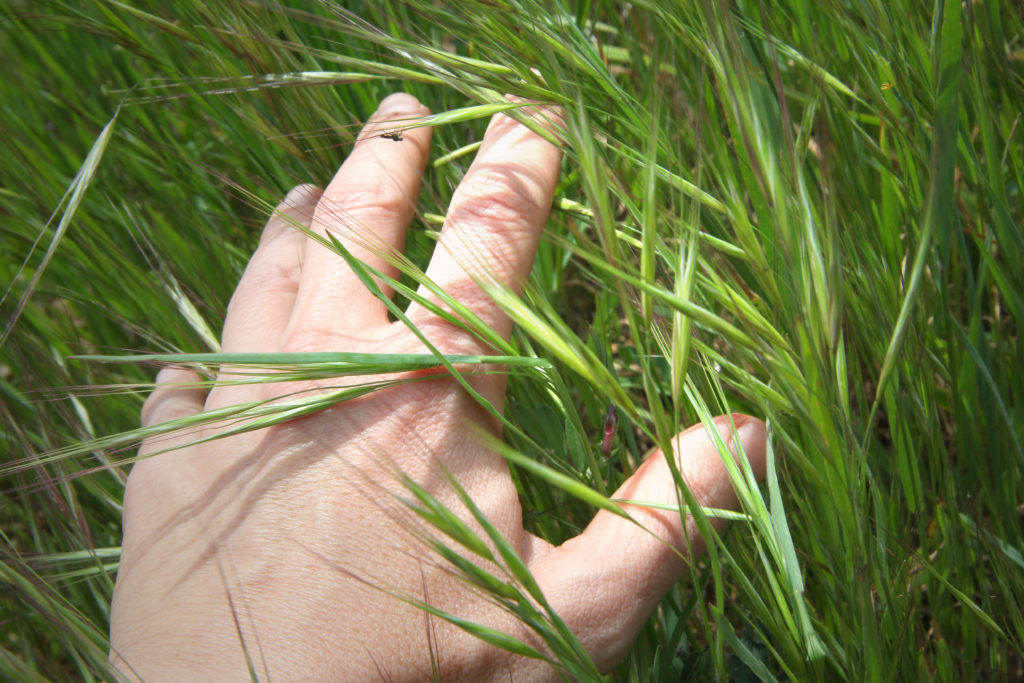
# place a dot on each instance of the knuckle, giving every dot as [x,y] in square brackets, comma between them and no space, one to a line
[468,293]
[305,193]
[307,339]
[369,194]
[453,338]
[442,333]
[266,275]
[489,197]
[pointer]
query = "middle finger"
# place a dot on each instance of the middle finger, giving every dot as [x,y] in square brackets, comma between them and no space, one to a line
[367,207]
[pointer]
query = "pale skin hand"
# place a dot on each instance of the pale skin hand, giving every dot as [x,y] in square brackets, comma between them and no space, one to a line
[252,545]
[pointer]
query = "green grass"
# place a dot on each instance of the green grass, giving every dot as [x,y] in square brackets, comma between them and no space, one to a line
[805,211]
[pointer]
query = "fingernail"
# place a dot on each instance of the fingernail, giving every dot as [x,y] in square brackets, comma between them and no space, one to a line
[396,105]
[747,428]
[751,433]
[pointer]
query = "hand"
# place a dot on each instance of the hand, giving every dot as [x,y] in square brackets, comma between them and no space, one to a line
[268,549]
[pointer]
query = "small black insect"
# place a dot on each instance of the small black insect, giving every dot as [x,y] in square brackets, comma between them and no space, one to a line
[392,135]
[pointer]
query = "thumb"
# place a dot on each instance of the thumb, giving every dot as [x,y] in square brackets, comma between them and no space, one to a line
[605,582]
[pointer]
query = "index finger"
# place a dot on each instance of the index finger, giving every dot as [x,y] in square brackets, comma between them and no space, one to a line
[496,217]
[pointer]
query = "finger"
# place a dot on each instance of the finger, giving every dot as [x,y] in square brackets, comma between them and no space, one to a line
[367,207]
[177,395]
[262,304]
[496,217]
[606,582]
